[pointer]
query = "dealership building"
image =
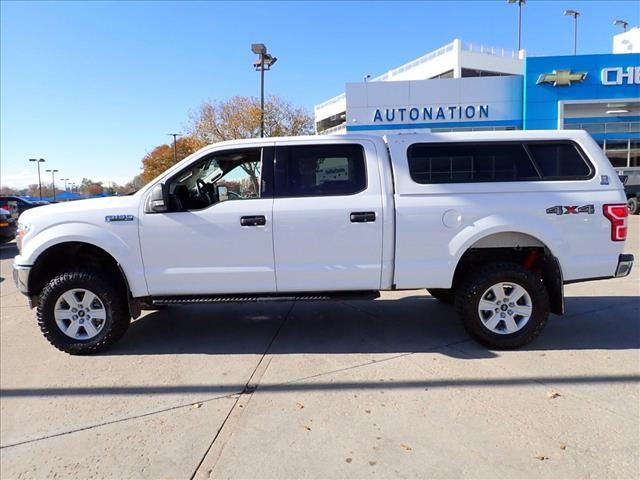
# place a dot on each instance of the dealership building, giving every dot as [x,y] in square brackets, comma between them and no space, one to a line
[465,87]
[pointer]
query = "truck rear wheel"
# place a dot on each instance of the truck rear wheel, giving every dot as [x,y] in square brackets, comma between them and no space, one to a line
[503,305]
[445,295]
[81,313]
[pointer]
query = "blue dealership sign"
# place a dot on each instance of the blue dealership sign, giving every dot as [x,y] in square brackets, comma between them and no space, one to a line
[549,82]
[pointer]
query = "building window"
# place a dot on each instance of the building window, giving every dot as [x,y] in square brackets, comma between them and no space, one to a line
[617,151]
[330,122]
[634,153]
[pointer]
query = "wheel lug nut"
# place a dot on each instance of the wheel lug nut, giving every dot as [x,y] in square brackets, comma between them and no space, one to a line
[511,304]
[75,317]
[74,310]
[510,312]
[502,315]
[498,302]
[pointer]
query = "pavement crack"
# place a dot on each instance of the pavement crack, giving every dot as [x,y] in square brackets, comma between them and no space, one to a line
[249,389]
[112,422]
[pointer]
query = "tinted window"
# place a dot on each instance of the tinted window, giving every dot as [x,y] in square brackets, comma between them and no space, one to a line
[559,160]
[469,162]
[320,170]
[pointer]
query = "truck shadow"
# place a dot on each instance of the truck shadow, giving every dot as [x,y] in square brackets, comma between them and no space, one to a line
[410,324]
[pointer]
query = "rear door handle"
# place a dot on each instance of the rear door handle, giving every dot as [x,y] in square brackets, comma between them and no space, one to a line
[253,221]
[363,217]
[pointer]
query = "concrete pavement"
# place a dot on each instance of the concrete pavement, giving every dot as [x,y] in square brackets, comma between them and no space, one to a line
[385,389]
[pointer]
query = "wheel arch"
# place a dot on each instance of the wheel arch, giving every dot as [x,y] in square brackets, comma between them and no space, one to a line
[523,247]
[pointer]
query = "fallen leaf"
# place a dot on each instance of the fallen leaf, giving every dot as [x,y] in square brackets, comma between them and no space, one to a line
[308,428]
[554,394]
[196,405]
[367,411]
[563,446]
[299,405]
[406,447]
[542,457]
[348,460]
[372,463]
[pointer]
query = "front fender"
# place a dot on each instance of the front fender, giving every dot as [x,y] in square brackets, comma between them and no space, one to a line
[122,245]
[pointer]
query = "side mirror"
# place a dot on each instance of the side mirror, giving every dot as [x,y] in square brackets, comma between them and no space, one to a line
[223,193]
[157,201]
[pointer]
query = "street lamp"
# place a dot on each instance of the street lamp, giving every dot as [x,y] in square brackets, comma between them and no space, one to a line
[65,180]
[575,14]
[175,148]
[53,182]
[264,62]
[38,161]
[622,23]
[520,3]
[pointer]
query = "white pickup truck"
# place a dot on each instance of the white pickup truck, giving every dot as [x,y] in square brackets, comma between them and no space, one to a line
[495,222]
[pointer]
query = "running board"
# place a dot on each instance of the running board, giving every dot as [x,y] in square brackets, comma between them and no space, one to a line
[266,297]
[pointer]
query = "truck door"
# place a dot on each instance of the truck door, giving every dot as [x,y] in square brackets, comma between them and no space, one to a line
[217,236]
[327,217]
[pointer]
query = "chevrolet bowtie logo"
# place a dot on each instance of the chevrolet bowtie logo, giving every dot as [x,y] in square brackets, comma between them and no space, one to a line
[561,78]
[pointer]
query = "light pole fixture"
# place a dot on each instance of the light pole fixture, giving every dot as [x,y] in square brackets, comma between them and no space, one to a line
[622,23]
[263,62]
[366,78]
[520,3]
[53,182]
[575,14]
[65,180]
[38,161]
[175,147]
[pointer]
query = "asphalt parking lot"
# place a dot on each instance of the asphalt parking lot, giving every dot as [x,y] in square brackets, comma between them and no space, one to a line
[385,389]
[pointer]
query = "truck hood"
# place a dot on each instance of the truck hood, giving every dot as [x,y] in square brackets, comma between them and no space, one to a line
[90,211]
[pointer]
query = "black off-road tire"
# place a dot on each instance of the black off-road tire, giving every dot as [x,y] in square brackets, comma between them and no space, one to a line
[114,301]
[633,203]
[472,288]
[445,295]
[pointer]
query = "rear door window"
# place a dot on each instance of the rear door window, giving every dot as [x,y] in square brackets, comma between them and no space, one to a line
[320,170]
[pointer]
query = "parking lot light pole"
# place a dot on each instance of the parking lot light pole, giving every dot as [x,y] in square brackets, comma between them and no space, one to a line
[65,180]
[575,14]
[175,147]
[53,182]
[38,162]
[622,23]
[262,64]
[520,3]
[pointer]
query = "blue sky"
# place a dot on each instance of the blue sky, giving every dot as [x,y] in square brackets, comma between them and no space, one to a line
[93,86]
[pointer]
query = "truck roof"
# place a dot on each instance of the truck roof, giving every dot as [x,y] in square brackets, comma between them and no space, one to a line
[497,135]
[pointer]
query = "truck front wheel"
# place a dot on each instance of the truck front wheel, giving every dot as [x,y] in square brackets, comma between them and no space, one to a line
[503,305]
[80,313]
[634,205]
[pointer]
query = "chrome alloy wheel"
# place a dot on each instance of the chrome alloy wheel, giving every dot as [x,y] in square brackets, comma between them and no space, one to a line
[505,308]
[80,314]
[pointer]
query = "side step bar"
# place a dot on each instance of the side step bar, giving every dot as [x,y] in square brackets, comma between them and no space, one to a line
[266,297]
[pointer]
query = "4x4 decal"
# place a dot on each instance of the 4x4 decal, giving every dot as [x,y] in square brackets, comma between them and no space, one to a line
[569,210]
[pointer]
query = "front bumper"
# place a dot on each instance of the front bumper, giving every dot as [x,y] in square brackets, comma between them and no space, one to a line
[21,277]
[625,263]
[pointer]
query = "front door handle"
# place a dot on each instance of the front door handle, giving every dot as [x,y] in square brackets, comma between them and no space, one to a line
[363,217]
[253,221]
